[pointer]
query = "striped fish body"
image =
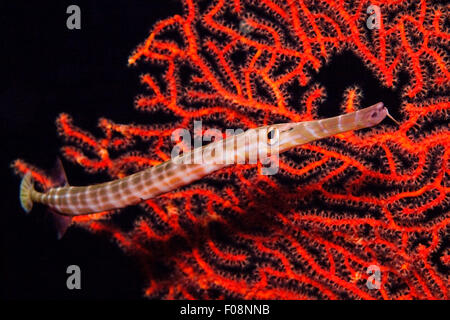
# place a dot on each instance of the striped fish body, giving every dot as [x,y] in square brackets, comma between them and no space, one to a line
[149,183]
[120,193]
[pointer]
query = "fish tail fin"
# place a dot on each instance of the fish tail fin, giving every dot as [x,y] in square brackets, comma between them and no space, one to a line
[26,188]
[58,177]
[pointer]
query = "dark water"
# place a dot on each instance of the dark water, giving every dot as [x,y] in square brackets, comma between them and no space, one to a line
[48,69]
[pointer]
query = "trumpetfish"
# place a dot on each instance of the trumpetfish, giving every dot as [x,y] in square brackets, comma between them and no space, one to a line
[68,201]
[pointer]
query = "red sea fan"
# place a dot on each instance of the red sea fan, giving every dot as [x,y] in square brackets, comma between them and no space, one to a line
[378,198]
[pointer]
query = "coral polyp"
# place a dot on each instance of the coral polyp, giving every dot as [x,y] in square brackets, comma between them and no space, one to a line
[337,206]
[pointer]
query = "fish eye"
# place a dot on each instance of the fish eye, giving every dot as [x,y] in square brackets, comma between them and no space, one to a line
[374,114]
[272,136]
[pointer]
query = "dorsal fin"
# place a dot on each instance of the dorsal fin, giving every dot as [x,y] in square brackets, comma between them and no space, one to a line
[58,175]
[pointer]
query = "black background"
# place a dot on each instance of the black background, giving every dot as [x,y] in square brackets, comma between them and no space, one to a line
[48,69]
